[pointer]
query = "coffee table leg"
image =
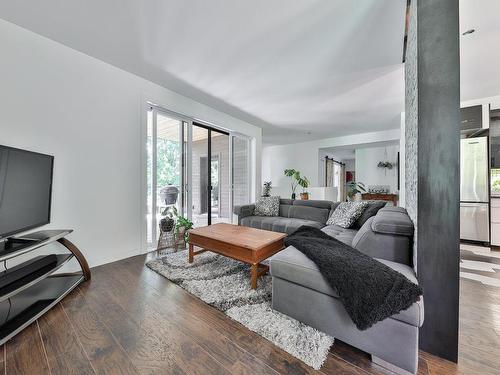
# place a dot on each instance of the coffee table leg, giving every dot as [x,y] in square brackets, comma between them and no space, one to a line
[255,275]
[191,250]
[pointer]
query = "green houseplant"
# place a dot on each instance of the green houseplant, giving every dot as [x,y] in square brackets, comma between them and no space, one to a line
[182,228]
[304,183]
[297,180]
[266,190]
[354,188]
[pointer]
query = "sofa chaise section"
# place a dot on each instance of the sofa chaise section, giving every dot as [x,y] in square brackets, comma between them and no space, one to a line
[300,291]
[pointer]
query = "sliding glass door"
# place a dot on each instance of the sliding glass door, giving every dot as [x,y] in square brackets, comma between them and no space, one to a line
[166,177]
[210,176]
[198,169]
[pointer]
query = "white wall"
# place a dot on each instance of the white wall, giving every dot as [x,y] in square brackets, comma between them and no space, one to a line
[307,157]
[350,165]
[367,171]
[91,116]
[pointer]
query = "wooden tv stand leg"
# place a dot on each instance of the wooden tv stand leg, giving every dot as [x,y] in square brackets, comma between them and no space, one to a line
[78,255]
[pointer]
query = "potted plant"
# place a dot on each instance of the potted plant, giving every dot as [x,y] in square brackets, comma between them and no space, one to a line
[266,190]
[167,223]
[182,228]
[354,188]
[297,180]
[304,183]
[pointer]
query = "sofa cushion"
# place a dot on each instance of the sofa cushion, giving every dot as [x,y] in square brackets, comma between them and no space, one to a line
[309,213]
[292,265]
[391,221]
[370,211]
[347,213]
[341,234]
[285,209]
[278,224]
[267,206]
[414,315]
[314,203]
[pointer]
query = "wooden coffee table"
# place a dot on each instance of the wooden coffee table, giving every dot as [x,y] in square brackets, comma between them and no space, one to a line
[248,245]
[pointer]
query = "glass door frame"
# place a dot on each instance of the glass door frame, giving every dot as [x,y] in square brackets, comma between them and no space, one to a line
[210,129]
[248,177]
[186,138]
[184,124]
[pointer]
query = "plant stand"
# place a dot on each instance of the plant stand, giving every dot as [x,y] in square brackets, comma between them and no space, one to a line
[166,240]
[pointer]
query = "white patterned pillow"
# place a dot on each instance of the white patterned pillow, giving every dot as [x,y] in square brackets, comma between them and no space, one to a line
[267,206]
[347,213]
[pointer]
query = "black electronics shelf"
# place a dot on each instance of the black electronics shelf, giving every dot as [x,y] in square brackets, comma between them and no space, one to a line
[28,305]
[33,276]
[24,244]
[31,288]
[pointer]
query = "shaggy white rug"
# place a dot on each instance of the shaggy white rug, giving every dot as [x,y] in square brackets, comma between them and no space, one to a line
[225,284]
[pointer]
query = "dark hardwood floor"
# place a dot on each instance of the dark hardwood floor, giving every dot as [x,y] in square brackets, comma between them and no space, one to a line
[129,320]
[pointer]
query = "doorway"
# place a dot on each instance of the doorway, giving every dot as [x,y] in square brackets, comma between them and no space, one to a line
[199,170]
[211,176]
[166,172]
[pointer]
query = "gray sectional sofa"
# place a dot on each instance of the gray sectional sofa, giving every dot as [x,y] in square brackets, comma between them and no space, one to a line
[300,291]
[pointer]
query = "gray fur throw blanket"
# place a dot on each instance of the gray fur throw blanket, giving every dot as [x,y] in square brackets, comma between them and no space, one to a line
[369,290]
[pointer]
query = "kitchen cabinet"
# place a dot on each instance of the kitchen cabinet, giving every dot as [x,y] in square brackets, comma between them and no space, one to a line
[471,118]
[495,221]
[495,141]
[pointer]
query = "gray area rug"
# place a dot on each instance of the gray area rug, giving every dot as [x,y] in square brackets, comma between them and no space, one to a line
[225,284]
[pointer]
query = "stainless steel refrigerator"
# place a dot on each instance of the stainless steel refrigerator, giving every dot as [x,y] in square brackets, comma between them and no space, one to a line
[474,190]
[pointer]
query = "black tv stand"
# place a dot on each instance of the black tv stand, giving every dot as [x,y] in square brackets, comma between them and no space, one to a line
[30,289]
[14,244]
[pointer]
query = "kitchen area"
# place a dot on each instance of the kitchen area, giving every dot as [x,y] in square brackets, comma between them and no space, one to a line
[480,176]
[495,176]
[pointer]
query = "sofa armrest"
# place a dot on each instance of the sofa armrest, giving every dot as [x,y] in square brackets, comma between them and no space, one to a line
[243,211]
[394,221]
[392,247]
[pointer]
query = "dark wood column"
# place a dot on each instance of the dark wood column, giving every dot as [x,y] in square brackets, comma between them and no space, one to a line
[433,165]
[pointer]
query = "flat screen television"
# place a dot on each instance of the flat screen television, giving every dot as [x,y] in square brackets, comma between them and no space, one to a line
[25,190]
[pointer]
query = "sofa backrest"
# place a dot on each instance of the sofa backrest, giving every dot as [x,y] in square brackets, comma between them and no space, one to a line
[387,235]
[315,210]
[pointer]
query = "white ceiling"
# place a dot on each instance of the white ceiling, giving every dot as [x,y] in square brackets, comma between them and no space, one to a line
[324,67]
[480,51]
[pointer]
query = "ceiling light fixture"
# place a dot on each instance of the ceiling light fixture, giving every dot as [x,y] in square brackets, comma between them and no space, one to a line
[470,31]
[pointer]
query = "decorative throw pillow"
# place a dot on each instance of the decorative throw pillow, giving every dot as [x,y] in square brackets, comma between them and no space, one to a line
[371,210]
[346,214]
[267,206]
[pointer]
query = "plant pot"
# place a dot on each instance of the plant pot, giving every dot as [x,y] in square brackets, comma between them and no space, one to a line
[167,224]
[180,242]
[304,196]
[293,195]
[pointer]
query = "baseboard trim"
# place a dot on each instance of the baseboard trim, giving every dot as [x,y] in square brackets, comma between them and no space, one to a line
[390,366]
